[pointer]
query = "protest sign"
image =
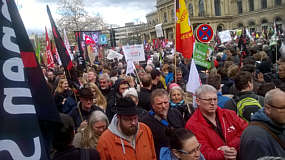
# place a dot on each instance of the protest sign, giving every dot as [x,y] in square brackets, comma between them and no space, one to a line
[159,31]
[134,52]
[225,36]
[113,54]
[201,54]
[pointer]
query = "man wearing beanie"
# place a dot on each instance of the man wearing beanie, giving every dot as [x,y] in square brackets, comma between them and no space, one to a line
[126,138]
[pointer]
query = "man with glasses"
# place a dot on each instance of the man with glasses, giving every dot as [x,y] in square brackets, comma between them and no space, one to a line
[265,136]
[126,138]
[217,130]
[85,107]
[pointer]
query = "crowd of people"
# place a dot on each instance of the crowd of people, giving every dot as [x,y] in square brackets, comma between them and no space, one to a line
[238,112]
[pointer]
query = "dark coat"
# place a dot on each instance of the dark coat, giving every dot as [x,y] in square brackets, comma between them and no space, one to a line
[68,105]
[73,153]
[85,114]
[144,99]
[256,142]
[158,130]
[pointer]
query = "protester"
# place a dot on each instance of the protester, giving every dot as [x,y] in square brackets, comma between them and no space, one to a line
[62,143]
[88,136]
[177,101]
[64,97]
[91,76]
[184,145]
[145,91]
[156,79]
[99,100]
[133,94]
[265,134]
[246,103]
[217,130]
[161,117]
[126,138]
[84,108]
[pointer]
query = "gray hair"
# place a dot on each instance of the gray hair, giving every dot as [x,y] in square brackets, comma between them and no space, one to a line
[271,158]
[98,116]
[269,95]
[205,89]
[104,76]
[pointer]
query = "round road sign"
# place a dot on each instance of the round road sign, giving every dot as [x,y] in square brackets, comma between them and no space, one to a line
[204,33]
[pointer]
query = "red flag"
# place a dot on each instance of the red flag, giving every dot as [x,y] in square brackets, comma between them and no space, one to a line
[184,33]
[50,61]
[89,40]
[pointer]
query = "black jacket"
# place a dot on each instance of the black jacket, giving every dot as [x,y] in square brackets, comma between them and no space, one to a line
[256,142]
[85,114]
[144,99]
[158,130]
[73,153]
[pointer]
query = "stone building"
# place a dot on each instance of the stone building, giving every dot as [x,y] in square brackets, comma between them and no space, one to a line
[220,14]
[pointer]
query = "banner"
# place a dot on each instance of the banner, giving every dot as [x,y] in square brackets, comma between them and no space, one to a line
[24,95]
[134,52]
[159,31]
[103,39]
[80,57]
[130,67]
[194,81]
[184,33]
[113,54]
[202,52]
[225,36]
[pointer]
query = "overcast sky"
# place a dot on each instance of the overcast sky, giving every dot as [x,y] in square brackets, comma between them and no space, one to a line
[34,15]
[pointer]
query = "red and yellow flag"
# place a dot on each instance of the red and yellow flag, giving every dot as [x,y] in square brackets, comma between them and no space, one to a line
[184,33]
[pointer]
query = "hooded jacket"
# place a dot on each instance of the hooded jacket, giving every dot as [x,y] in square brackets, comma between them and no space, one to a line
[256,142]
[232,128]
[113,145]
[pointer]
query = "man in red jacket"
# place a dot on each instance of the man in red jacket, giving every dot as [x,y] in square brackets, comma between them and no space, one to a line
[217,130]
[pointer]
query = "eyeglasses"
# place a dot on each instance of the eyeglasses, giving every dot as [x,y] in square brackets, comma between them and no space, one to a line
[277,108]
[209,99]
[197,149]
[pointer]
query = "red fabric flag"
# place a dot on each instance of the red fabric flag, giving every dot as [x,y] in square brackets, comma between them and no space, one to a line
[50,61]
[184,33]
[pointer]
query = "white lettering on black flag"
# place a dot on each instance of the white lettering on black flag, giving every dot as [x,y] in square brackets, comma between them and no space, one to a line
[24,96]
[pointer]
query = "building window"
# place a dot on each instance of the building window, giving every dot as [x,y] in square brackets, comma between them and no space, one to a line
[239,5]
[240,25]
[277,2]
[190,9]
[165,17]
[263,4]
[173,14]
[217,8]
[201,8]
[251,5]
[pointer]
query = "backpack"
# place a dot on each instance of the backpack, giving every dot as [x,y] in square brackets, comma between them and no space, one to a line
[247,106]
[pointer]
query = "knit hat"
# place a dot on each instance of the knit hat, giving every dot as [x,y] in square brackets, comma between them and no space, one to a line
[173,86]
[126,106]
[130,91]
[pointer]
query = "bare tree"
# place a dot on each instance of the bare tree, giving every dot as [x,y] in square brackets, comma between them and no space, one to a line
[76,18]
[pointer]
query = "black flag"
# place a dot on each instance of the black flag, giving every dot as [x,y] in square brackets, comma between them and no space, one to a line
[24,94]
[81,65]
[70,73]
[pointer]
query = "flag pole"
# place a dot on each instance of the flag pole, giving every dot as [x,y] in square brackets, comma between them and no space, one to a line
[175,42]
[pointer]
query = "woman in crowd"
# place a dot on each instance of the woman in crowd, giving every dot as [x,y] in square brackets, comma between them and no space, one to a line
[99,99]
[177,101]
[64,97]
[183,145]
[88,137]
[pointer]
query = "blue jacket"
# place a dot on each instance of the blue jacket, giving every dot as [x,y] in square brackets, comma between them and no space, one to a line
[257,142]
[222,99]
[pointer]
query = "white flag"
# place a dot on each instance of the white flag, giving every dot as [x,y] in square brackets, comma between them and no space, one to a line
[66,42]
[194,81]
[130,67]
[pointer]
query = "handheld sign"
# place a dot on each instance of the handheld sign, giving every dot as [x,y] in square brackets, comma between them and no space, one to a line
[204,33]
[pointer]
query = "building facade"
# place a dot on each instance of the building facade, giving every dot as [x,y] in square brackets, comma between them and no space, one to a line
[220,14]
